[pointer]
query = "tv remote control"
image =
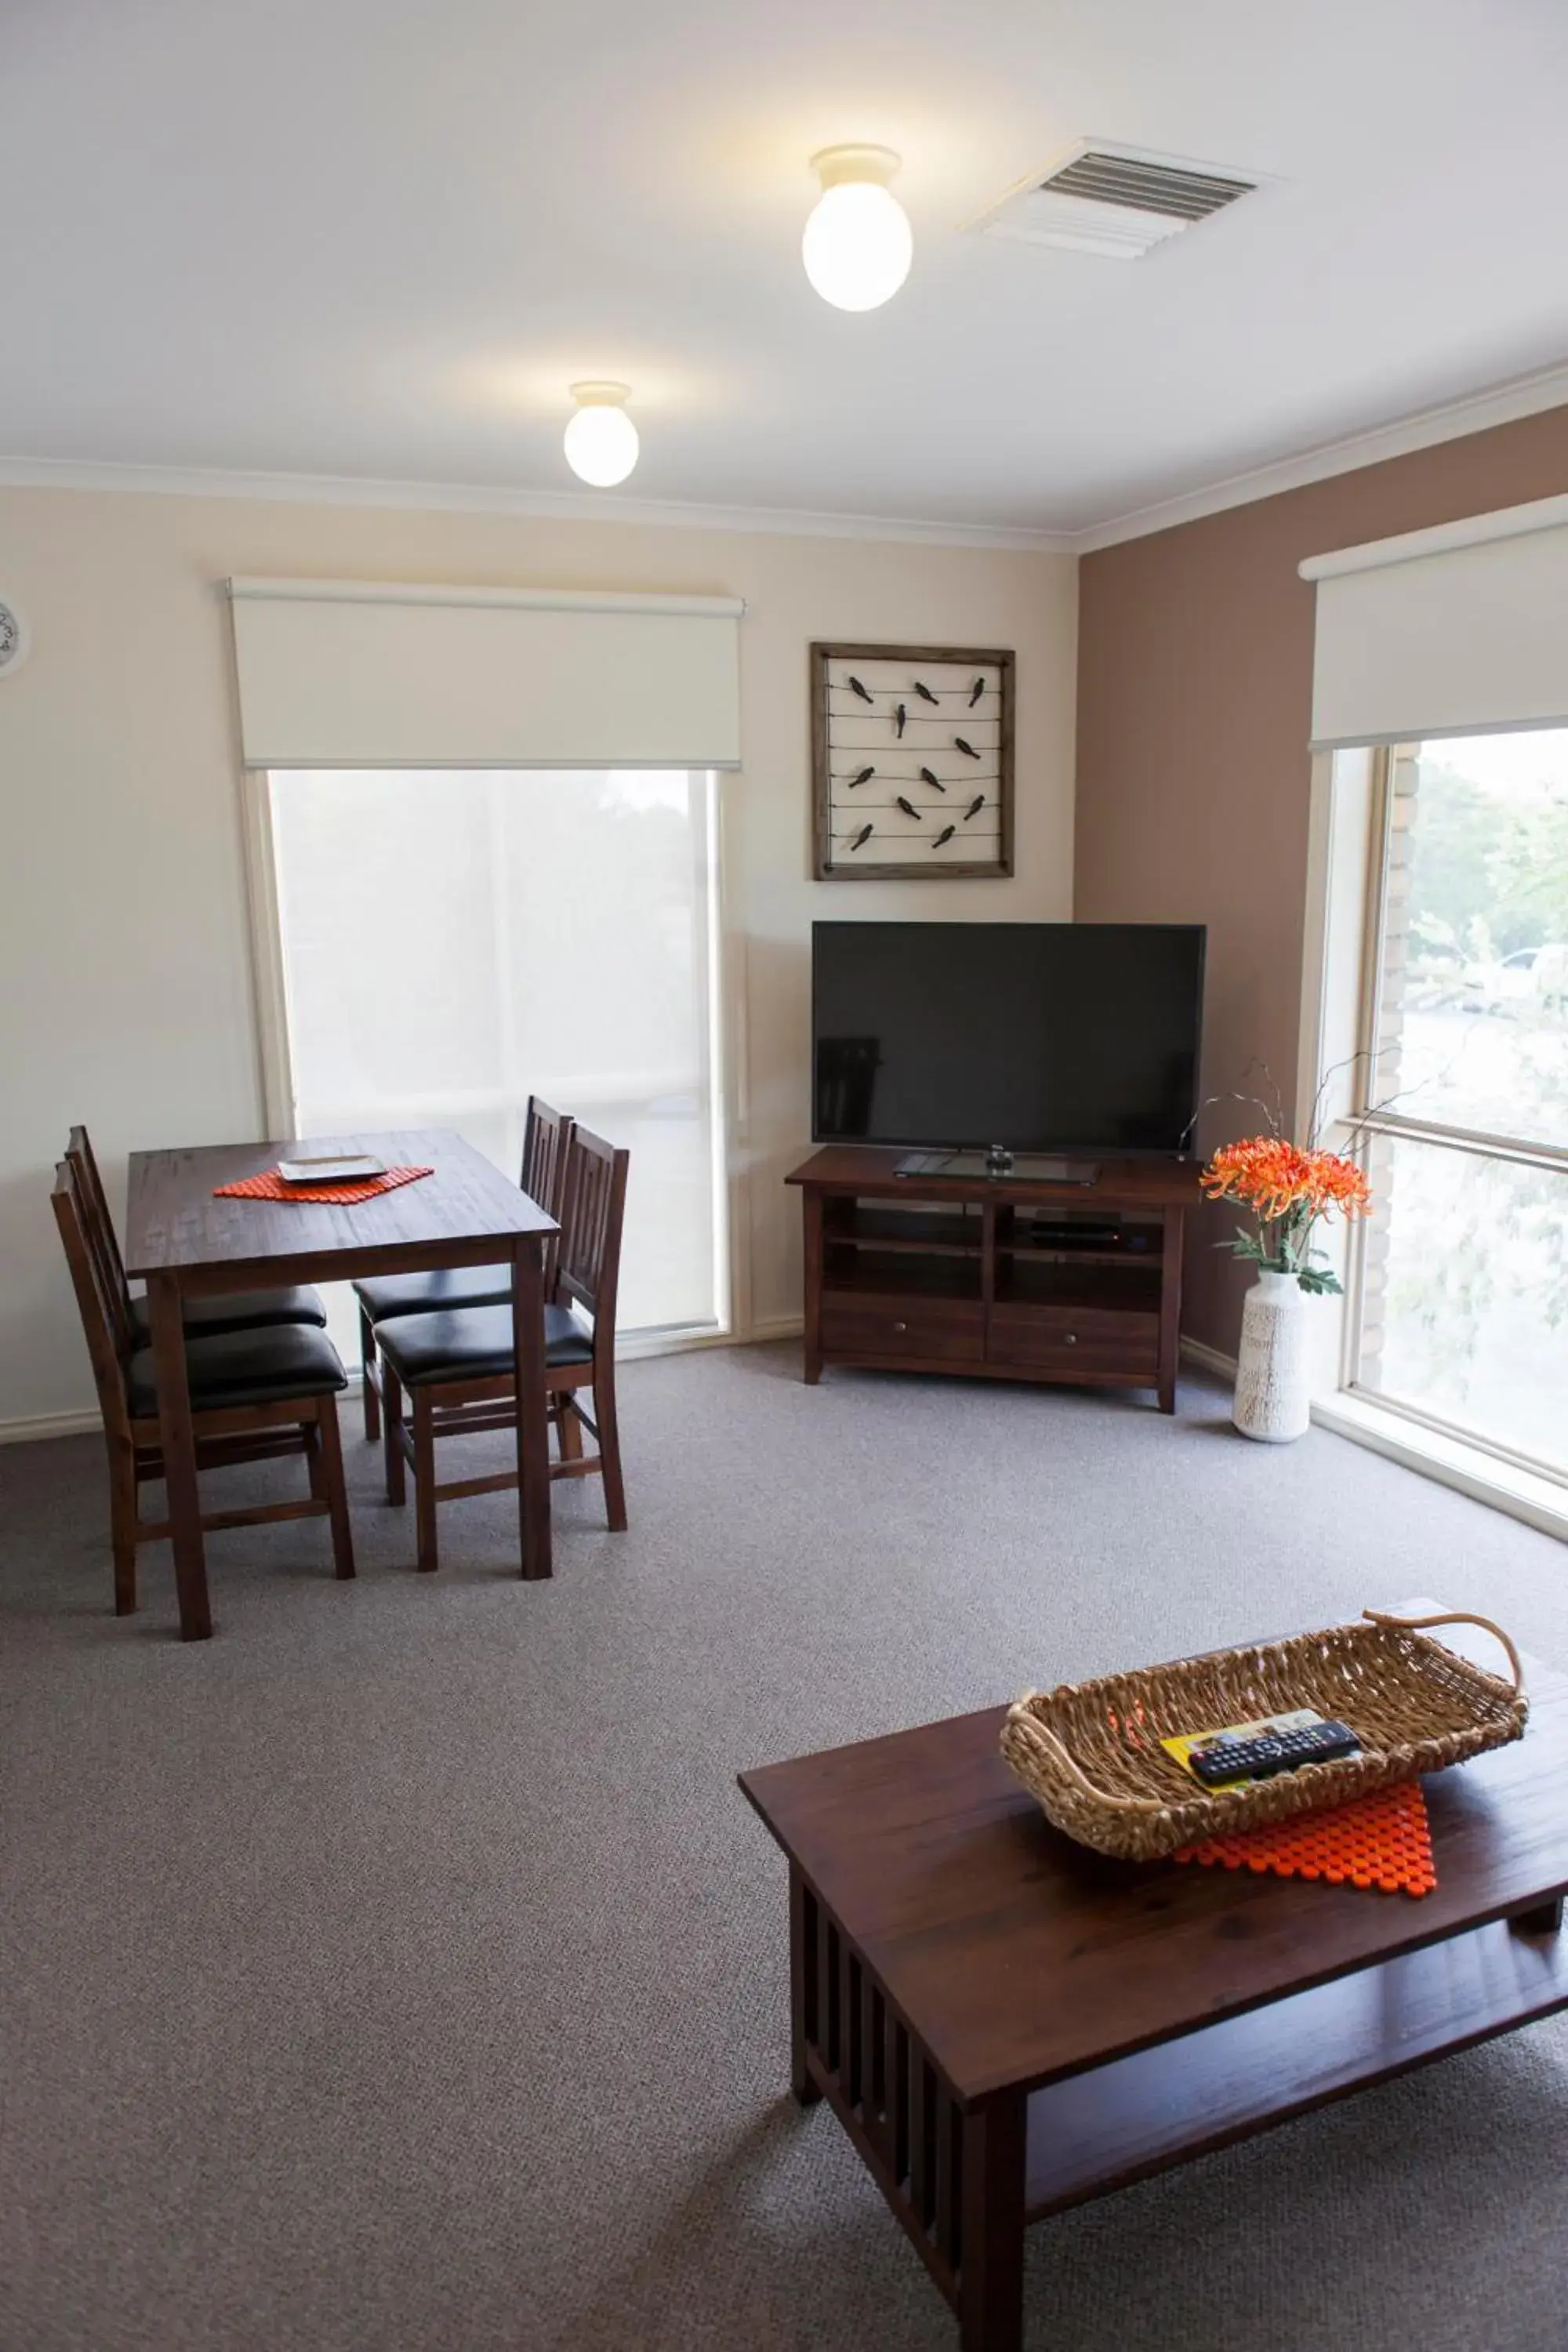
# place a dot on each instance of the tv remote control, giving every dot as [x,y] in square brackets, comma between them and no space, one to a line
[1260,1759]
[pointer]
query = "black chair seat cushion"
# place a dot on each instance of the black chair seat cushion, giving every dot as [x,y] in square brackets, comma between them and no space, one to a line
[387,1294]
[288,1360]
[472,1343]
[238,1310]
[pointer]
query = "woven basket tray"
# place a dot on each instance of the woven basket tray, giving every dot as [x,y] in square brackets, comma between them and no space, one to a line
[1090,1752]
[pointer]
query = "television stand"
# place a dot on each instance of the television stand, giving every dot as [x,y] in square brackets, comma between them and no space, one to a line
[1011,1278]
[1019,1167]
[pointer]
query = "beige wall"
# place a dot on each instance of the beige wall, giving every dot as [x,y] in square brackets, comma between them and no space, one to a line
[1194,697]
[124,954]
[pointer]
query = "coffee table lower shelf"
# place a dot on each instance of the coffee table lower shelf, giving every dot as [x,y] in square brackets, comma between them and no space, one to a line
[965,2180]
[1121,2121]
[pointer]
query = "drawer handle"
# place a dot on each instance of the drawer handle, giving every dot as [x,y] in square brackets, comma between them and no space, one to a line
[901,1327]
[1071,1338]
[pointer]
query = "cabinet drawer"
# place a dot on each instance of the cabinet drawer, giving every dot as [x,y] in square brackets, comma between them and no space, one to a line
[1089,1340]
[947,1331]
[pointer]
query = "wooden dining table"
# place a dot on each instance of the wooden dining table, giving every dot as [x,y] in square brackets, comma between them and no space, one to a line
[184,1241]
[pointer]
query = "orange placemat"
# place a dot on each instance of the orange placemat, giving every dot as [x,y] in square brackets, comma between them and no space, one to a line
[272,1187]
[1383,1841]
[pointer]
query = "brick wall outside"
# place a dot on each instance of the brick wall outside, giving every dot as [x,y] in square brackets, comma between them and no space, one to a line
[1385,1076]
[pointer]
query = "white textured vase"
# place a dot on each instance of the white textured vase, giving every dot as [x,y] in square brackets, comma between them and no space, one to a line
[1273,1382]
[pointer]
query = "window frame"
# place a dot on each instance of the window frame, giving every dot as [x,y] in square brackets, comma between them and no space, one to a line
[1363,1120]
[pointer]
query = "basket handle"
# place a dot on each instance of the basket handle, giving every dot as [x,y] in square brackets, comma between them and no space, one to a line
[1041,1736]
[1453,1617]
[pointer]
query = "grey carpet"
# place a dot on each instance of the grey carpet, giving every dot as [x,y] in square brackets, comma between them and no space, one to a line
[402,1972]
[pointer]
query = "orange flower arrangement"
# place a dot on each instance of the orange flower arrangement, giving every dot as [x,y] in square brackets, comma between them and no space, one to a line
[1274,1177]
[1288,1189]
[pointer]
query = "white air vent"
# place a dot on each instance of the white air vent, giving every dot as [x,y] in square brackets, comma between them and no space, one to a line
[1115,201]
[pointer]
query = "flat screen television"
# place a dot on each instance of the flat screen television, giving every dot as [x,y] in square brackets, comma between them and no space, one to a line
[1025,1037]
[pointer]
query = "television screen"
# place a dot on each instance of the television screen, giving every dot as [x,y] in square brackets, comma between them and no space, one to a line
[1056,1037]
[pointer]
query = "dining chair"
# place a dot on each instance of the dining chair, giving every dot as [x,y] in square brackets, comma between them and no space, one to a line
[232,1310]
[455,1366]
[255,1395]
[546,1136]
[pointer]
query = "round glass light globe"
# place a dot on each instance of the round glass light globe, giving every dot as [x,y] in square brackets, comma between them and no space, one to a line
[857,244]
[601,445]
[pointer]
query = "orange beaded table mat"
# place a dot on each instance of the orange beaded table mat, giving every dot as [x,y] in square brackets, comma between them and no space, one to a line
[270,1186]
[1383,1841]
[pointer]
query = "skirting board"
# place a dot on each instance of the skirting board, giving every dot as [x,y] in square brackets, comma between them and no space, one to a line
[31,1427]
[1211,1360]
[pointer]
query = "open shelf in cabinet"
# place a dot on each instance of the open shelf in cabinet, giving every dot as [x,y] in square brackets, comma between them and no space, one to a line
[890,1273]
[1106,1289]
[1087,1236]
[871,1225]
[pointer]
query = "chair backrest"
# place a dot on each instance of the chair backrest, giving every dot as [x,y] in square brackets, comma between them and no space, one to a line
[99,1225]
[93,1302]
[545,1138]
[590,1219]
[546,1141]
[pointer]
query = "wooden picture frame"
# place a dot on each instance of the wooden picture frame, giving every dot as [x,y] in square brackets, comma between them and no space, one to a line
[935,775]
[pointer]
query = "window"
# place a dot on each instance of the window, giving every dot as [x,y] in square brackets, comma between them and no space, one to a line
[1459,1290]
[451,942]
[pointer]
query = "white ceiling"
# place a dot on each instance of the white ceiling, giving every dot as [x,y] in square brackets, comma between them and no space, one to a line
[379,237]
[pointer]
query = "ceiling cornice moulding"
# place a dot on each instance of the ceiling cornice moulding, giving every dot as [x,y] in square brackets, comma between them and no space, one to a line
[529,506]
[1524,396]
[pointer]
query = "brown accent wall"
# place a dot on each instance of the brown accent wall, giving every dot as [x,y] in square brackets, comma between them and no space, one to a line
[1193,714]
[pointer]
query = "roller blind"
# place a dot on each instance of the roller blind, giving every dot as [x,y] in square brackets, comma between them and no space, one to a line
[338,674]
[1458,630]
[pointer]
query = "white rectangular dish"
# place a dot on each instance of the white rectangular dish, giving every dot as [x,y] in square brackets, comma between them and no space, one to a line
[338,1168]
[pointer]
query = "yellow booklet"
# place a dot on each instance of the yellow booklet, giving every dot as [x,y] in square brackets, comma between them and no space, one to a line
[1188,1744]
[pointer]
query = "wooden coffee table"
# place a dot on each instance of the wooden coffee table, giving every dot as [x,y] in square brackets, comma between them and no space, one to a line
[1007,2024]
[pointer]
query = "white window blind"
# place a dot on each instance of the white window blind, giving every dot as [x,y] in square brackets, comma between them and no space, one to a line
[1444,632]
[454,941]
[345,674]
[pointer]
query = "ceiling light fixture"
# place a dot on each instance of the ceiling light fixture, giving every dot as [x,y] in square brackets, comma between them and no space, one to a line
[601,439]
[858,246]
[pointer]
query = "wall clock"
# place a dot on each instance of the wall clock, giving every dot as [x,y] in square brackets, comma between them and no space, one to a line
[912,762]
[16,638]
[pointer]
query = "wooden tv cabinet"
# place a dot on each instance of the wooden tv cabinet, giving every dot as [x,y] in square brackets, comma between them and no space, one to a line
[1003,1279]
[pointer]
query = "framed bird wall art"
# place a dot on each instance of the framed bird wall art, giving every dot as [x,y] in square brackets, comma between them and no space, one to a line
[912,762]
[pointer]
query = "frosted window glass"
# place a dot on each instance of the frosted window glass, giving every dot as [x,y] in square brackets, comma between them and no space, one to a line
[455,942]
